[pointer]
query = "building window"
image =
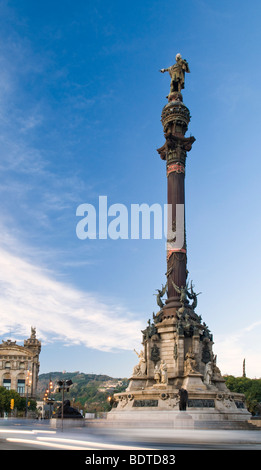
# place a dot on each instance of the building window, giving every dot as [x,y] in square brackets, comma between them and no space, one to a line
[7,384]
[8,365]
[21,386]
[22,365]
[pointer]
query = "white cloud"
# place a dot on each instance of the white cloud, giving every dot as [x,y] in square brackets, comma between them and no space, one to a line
[31,296]
[233,347]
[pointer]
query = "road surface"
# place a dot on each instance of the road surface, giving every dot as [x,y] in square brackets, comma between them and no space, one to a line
[21,434]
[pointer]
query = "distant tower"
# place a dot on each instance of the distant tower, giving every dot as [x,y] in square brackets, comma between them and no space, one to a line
[33,345]
[244,368]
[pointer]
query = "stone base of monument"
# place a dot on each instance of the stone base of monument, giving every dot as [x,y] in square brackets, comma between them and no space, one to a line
[199,419]
[159,405]
[178,371]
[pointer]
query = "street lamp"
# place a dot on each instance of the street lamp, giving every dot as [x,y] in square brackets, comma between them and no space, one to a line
[63,386]
[47,399]
[110,400]
[28,381]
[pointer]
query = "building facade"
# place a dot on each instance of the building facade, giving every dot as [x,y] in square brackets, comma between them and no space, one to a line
[19,365]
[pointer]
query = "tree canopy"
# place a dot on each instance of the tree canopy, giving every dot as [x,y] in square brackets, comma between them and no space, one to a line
[19,402]
[251,389]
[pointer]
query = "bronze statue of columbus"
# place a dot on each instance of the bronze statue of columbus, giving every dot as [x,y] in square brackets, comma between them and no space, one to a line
[177,73]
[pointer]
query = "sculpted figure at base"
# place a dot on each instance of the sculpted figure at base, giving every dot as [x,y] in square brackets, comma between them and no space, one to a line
[216,370]
[157,374]
[190,364]
[208,373]
[141,367]
[163,372]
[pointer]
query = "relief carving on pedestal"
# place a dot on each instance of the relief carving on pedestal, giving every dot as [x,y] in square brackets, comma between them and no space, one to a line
[155,354]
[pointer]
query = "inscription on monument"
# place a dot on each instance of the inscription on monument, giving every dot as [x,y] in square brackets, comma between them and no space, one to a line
[240,404]
[203,403]
[142,403]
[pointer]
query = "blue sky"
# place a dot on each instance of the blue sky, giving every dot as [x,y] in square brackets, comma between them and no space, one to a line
[80,105]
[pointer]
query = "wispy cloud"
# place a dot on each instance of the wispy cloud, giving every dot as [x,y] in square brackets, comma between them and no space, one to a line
[35,195]
[233,347]
[31,296]
[37,149]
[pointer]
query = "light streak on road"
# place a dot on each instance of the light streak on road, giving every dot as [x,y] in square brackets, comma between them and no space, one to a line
[70,444]
[38,439]
[93,445]
[23,431]
[41,443]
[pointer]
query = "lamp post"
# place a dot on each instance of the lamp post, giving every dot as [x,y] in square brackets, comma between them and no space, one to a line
[28,381]
[63,386]
[47,398]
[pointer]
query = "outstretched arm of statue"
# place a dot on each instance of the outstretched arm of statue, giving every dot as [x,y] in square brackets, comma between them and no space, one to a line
[164,70]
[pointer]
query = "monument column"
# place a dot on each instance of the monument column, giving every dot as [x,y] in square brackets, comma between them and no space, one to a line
[177,359]
[175,118]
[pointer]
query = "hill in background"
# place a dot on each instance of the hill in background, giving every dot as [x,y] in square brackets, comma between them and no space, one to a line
[89,392]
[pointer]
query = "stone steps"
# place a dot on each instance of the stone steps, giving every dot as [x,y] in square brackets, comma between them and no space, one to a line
[236,425]
[177,424]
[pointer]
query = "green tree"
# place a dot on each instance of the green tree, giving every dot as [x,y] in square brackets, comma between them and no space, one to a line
[19,402]
[5,399]
[251,389]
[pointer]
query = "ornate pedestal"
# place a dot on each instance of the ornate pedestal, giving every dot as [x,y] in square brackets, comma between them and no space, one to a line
[177,355]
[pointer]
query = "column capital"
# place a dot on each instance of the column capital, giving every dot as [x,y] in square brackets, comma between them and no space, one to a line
[175,148]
